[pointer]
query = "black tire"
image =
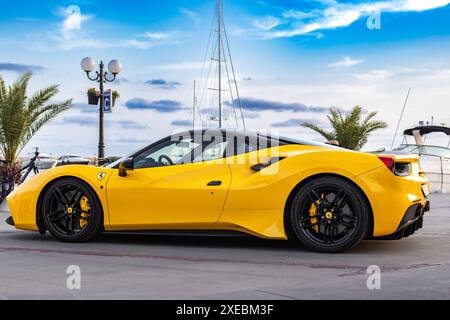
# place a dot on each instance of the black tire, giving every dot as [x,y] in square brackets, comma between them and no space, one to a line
[65,217]
[328,215]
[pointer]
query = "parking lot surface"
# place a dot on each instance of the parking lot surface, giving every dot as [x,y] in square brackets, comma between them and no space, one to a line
[137,266]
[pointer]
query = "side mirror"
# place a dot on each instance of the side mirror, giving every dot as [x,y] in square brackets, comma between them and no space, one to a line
[126,165]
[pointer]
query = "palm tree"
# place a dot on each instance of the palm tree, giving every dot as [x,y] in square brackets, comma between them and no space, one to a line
[348,130]
[22,116]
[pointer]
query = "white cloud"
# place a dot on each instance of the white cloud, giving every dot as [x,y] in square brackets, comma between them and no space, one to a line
[334,15]
[425,75]
[139,44]
[68,44]
[421,5]
[346,62]
[150,40]
[181,66]
[88,42]
[266,23]
[191,15]
[158,35]
[73,20]
[299,15]
[375,75]
[77,30]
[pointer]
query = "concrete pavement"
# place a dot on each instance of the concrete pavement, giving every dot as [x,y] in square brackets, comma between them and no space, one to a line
[187,267]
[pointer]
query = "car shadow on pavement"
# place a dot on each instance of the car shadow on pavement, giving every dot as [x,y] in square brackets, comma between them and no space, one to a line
[195,240]
[118,241]
[232,242]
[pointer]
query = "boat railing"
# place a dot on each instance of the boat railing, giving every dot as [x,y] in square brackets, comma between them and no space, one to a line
[439,152]
[425,150]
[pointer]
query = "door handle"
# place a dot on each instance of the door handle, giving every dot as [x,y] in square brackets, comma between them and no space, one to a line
[214,183]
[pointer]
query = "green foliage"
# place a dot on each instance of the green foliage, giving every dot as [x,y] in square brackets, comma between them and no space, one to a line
[93,91]
[22,116]
[349,130]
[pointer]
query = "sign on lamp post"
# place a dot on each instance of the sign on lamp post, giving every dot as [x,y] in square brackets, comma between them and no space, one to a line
[115,67]
[107,101]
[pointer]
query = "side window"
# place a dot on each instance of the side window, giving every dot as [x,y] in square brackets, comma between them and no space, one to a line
[212,151]
[167,153]
[246,144]
[250,143]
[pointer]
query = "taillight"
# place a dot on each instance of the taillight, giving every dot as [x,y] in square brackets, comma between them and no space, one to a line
[403,169]
[389,162]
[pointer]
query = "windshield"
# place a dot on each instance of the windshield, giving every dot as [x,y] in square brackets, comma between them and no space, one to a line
[434,151]
[116,163]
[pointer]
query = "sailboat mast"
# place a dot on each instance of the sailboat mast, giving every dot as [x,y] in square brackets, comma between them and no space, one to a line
[401,117]
[223,54]
[193,107]
[219,31]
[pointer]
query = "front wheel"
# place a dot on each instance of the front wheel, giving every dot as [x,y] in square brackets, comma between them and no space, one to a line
[72,211]
[329,215]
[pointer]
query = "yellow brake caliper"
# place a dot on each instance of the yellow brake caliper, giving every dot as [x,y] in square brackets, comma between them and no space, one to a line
[85,207]
[313,213]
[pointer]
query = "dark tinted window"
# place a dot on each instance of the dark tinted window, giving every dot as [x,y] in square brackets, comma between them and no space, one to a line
[253,142]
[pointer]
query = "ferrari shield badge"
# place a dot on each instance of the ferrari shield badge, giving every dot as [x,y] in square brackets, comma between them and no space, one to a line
[101,175]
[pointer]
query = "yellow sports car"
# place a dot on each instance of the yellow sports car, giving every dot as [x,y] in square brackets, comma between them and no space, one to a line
[324,197]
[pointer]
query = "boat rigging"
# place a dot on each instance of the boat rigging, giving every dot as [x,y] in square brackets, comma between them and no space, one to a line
[219,91]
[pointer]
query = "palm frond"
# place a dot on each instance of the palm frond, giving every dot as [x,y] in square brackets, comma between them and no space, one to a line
[44,117]
[21,117]
[41,97]
[348,129]
[369,118]
[327,135]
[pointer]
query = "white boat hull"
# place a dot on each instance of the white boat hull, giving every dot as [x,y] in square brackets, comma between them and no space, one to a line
[439,180]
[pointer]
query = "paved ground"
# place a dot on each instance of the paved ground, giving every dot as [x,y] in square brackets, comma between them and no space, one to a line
[177,267]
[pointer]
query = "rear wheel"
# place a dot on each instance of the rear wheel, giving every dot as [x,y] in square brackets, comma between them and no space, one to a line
[329,214]
[72,211]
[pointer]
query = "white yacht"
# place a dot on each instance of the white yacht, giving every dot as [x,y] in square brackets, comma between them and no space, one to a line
[435,159]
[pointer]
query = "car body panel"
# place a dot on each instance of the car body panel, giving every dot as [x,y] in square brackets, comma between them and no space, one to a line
[23,201]
[177,197]
[168,196]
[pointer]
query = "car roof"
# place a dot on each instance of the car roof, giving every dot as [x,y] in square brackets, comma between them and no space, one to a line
[238,133]
[241,133]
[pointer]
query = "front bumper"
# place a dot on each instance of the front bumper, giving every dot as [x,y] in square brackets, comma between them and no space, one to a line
[411,222]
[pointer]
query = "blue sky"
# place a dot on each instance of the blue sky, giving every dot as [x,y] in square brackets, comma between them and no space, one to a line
[294,60]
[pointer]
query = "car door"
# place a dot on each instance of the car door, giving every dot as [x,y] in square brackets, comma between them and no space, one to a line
[174,184]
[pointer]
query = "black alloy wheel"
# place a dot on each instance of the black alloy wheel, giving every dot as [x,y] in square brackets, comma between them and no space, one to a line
[72,211]
[329,214]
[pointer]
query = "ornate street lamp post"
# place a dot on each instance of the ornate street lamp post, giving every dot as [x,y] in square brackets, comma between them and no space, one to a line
[114,67]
